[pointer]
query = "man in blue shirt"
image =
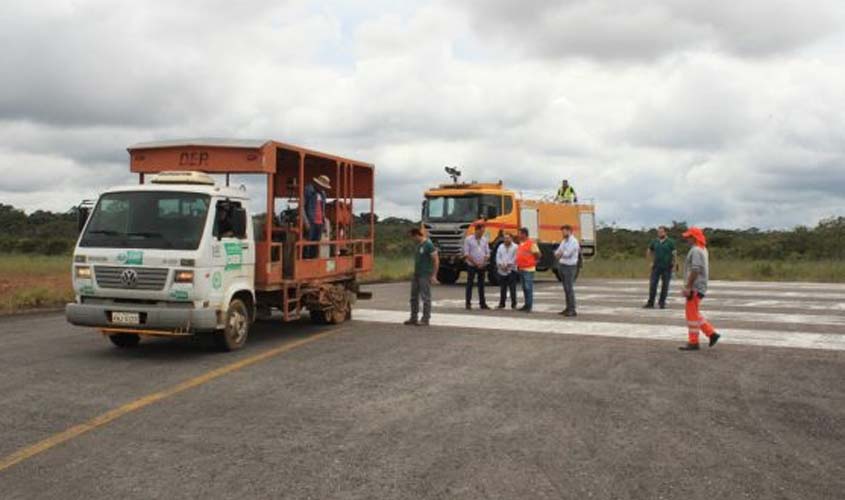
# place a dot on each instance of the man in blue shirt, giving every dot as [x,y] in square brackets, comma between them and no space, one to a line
[315,212]
[567,253]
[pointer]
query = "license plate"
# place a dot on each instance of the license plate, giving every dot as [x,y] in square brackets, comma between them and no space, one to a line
[125,318]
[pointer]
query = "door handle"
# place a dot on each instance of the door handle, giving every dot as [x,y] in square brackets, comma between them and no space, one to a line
[245,246]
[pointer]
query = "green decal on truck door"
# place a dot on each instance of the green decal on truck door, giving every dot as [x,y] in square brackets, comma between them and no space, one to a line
[234,256]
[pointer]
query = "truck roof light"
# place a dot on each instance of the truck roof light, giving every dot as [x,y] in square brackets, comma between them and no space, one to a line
[183,177]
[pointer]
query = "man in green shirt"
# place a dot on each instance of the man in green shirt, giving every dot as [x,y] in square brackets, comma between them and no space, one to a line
[426,262]
[661,252]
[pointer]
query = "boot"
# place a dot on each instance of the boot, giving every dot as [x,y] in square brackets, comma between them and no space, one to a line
[714,338]
[410,322]
[689,347]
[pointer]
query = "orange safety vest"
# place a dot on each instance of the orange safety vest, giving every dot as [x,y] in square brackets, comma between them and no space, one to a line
[524,258]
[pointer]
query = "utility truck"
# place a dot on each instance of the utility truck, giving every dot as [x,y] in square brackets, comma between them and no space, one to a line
[450,210]
[181,254]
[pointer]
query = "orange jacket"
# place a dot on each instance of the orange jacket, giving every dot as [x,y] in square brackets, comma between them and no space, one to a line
[524,258]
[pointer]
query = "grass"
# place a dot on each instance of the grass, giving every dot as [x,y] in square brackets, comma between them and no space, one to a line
[37,282]
[829,271]
[34,282]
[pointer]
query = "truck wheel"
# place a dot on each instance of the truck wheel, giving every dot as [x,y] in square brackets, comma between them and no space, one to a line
[318,317]
[125,340]
[448,276]
[233,336]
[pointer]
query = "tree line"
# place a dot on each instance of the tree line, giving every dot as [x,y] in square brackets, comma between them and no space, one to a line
[54,233]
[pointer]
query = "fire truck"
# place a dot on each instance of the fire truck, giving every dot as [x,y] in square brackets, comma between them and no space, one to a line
[182,253]
[450,210]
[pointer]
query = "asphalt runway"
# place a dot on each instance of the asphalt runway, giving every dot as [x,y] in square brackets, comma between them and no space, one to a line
[483,404]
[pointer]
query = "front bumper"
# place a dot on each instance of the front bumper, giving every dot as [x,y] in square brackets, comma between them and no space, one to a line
[152,317]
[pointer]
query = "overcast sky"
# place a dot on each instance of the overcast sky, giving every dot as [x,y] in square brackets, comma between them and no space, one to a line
[717,112]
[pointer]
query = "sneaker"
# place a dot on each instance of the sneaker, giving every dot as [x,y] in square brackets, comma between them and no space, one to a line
[570,314]
[423,322]
[714,338]
[410,322]
[689,347]
[648,306]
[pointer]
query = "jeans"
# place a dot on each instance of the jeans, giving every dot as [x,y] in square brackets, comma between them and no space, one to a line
[507,283]
[315,233]
[657,274]
[528,288]
[567,275]
[421,290]
[475,274]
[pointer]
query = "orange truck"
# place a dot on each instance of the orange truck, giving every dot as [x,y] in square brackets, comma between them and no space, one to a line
[449,211]
[182,254]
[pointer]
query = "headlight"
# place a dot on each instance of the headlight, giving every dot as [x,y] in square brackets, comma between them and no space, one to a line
[184,277]
[83,272]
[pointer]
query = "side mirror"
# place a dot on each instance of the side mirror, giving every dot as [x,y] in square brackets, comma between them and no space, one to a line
[239,222]
[83,211]
[424,208]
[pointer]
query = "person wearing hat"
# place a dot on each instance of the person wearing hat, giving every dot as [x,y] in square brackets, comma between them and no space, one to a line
[696,272]
[315,212]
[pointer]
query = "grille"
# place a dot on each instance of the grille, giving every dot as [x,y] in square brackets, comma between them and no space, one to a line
[447,242]
[148,278]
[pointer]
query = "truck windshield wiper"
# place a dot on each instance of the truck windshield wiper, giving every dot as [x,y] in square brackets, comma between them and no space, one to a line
[107,232]
[145,234]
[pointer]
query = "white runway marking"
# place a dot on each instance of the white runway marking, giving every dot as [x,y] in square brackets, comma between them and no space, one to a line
[720,284]
[798,340]
[710,302]
[714,292]
[677,313]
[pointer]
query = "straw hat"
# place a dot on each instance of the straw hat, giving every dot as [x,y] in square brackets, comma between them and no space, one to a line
[323,181]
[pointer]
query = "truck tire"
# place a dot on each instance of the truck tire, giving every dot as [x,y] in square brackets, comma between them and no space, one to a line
[448,276]
[318,317]
[125,340]
[234,334]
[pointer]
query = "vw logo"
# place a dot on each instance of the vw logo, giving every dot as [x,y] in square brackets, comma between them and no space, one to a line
[129,278]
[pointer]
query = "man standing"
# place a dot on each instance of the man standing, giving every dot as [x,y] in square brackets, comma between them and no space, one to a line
[506,267]
[426,262]
[662,254]
[697,270]
[476,256]
[527,254]
[566,193]
[567,254]
[315,212]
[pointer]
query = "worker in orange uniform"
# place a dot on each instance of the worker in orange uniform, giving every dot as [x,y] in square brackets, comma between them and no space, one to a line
[527,254]
[697,270]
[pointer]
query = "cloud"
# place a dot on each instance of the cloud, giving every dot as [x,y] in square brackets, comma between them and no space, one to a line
[671,112]
[625,30]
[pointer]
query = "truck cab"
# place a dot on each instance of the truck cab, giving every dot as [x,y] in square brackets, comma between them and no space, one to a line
[170,255]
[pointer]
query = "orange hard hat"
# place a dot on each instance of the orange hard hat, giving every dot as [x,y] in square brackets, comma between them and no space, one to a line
[697,234]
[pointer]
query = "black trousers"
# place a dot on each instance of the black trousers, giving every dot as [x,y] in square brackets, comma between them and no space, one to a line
[475,274]
[659,274]
[507,283]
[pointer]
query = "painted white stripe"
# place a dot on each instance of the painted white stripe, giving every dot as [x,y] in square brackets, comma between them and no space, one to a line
[797,340]
[709,312]
[775,294]
[719,284]
[710,302]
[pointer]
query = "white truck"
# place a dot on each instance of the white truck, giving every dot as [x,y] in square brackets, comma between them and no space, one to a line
[179,255]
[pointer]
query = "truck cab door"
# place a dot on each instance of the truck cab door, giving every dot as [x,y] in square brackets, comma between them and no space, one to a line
[233,250]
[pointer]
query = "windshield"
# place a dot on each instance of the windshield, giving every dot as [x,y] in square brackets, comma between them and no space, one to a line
[462,208]
[147,219]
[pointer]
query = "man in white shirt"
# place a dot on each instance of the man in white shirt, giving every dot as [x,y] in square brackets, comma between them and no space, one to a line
[476,256]
[506,268]
[567,254]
